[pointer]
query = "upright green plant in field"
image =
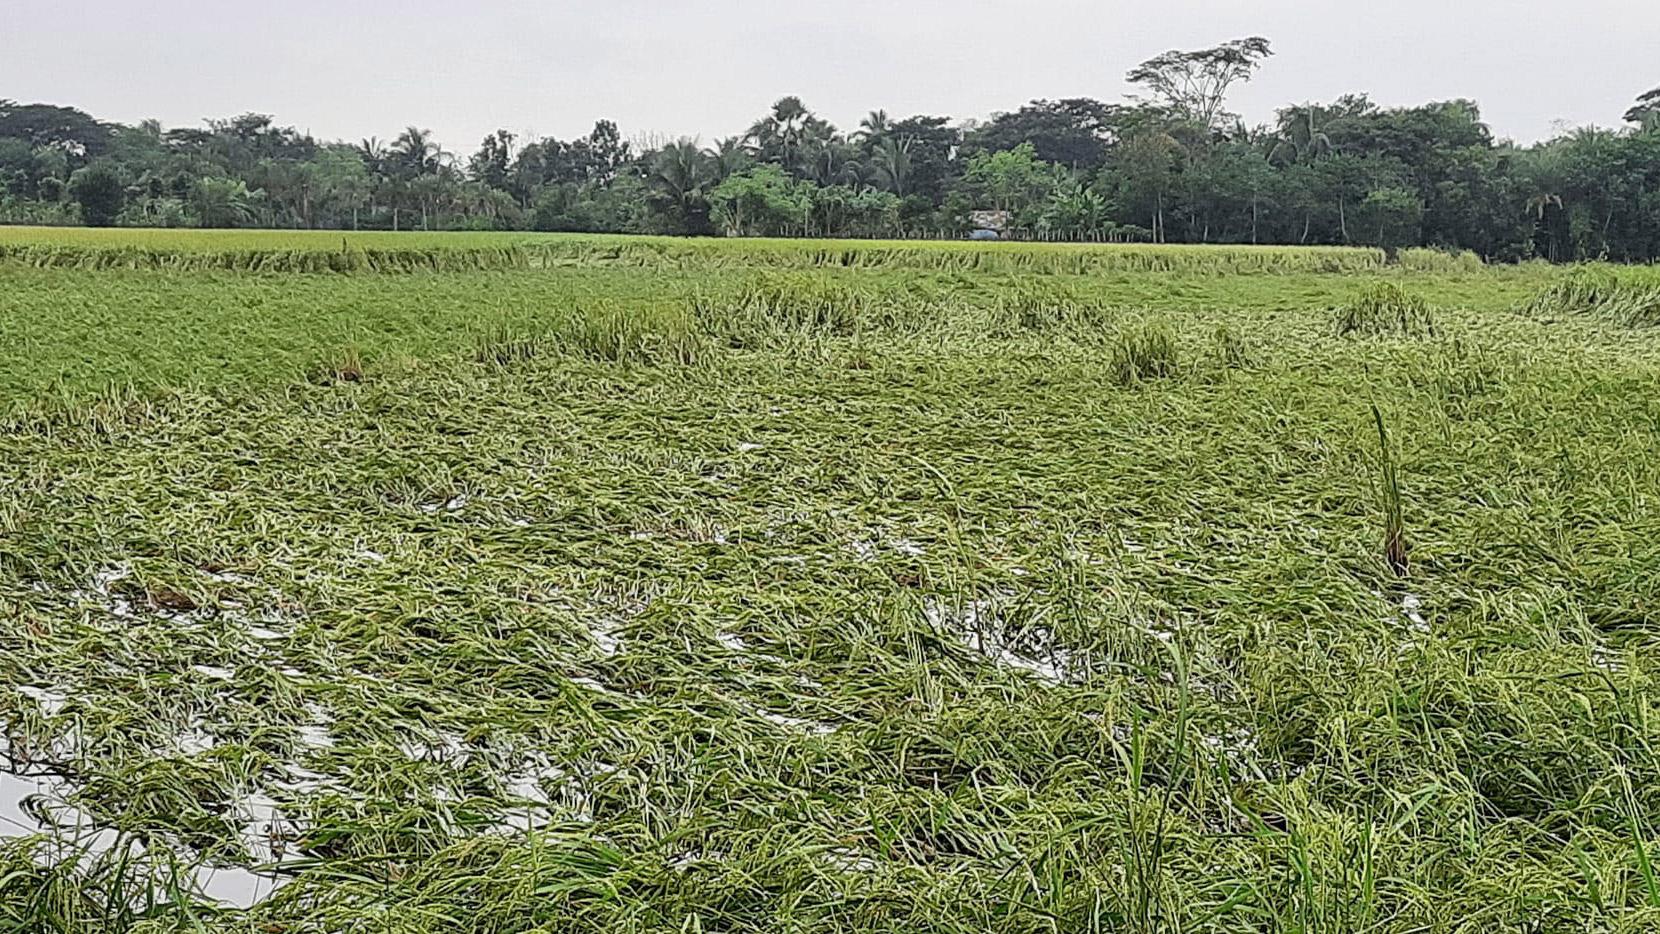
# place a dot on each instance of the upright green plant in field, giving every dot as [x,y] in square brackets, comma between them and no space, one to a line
[1582,290]
[1384,309]
[1395,547]
[1144,352]
[649,334]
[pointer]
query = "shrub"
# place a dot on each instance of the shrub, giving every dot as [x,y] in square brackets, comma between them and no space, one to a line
[503,348]
[1457,374]
[344,367]
[99,192]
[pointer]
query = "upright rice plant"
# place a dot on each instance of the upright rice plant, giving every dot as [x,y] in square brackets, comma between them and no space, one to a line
[1395,547]
[1144,352]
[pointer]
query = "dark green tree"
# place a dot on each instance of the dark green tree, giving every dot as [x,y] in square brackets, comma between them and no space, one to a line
[99,191]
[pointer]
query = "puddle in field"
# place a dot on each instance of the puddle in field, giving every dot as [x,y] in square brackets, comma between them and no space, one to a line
[1410,605]
[129,607]
[873,543]
[1238,746]
[847,859]
[36,801]
[444,746]
[269,834]
[193,740]
[267,817]
[1032,651]
[607,637]
[100,592]
[16,791]
[234,887]
[534,806]
[536,790]
[686,859]
[606,619]
[796,724]
[51,701]
[455,503]
[1408,609]
[1605,659]
[737,644]
[733,641]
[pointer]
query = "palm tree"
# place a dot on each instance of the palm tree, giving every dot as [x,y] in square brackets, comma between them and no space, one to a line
[784,135]
[351,190]
[890,164]
[415,152]
[731,155]
[832,162]
[433,193]
[475,199]
[373,152]
[680,177]
[1646,112]
[875,126]
[1305,140]
[222,202]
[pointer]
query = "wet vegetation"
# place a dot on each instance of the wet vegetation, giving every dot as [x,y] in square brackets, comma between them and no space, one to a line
[820,587]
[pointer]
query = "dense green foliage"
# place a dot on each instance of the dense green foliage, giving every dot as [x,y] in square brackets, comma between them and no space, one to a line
[1173,168]
[791,586]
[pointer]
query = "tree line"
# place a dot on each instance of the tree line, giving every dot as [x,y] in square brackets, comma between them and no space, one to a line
[1169,165]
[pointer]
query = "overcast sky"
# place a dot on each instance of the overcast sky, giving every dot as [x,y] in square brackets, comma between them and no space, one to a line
[345,69]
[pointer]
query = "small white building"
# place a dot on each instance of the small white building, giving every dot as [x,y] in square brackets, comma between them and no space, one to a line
[989,225]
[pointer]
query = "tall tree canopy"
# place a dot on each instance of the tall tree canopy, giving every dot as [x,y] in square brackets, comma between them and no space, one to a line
[1646,111]
[1194,85]
[1172,166]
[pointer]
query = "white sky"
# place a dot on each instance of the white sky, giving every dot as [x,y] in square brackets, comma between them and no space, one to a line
[352,68]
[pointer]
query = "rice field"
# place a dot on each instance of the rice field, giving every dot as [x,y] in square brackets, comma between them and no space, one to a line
[600,584]
[334,251]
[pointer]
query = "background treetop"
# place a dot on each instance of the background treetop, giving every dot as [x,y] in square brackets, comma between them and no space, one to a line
[1172,164]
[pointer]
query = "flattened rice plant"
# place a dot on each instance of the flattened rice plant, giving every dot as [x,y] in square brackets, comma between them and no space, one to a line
[1630,300]
[1384,309]
[546,631]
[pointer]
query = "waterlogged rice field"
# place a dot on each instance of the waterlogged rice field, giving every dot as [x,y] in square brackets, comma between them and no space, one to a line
[745,587]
